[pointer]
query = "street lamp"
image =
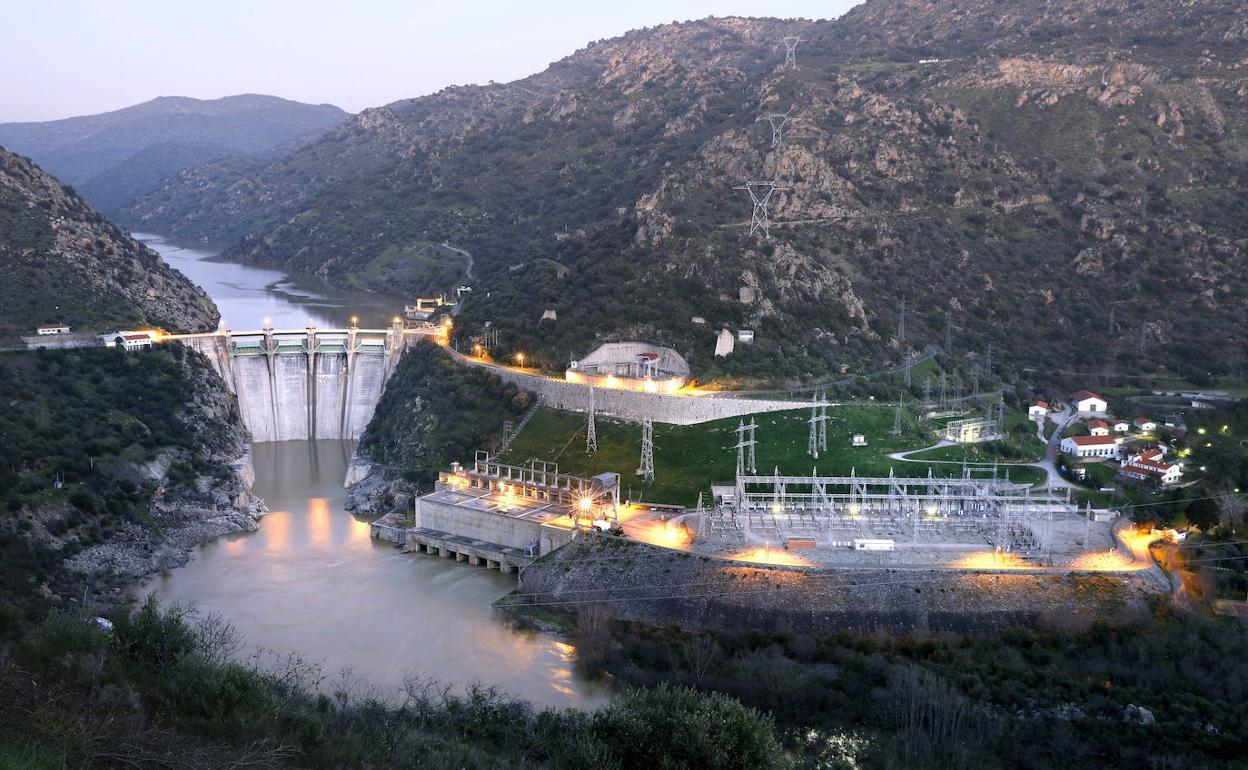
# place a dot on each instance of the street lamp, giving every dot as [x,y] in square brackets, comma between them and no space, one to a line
[520,359]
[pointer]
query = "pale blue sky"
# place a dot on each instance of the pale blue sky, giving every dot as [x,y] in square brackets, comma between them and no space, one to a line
[77,57]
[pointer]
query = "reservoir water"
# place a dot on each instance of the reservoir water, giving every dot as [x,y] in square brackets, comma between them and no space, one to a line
[312,582]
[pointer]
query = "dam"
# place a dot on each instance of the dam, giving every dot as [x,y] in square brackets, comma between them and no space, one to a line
[305,384]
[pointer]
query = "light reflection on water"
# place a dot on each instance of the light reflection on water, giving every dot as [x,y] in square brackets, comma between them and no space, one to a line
[312,581]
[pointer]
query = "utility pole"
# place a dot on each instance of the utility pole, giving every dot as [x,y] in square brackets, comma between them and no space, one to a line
[790,50]
[646,471]
[760,193]
[591,428]
[745,447]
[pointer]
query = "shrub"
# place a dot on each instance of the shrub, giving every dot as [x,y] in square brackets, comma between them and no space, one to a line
[676,727]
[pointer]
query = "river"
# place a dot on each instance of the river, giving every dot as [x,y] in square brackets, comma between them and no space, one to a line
[311,581]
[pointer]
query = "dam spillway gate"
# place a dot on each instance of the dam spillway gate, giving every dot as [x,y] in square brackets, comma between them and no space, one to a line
[303,384]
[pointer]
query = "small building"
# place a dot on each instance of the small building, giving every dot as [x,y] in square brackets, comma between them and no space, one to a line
[1091,446]
[871,544]
[1119,426]
[549,315]
[50,329]
[631,366]
[1087,402]
[858,440]
[699,320]
[970,430]
[1098,428]
[1038,409]
[745,336]
[1144,424]
[127,340]
[724,343]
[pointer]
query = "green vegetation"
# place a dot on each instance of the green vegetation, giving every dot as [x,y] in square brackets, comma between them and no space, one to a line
[161,690]
[1020,445]
[435,411]
[74,426]
[688,459]
[1023,698]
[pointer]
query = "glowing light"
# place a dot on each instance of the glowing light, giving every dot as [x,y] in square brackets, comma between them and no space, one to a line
[1201,431]
[1106,561]
[520,359]
[395,320]
[585,503]
[992,560]
[664,534]
[612,381]
[768,555]
[855,510]
[267,322]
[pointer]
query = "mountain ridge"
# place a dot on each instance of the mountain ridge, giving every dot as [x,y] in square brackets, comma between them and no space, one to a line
[65,263]
[1080,174]
[109,156]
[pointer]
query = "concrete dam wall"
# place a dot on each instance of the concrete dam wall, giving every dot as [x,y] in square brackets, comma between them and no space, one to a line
[310,384]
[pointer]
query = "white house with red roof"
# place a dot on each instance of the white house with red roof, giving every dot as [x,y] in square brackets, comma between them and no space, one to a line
[1151,464]
[1091,446]
[1087,402]
[1119,425]
[127,340]
[1038,409]
[1145,424]
[1098,428]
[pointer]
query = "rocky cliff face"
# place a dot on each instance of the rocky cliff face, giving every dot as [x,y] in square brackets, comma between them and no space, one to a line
[1063,181]
[61,261]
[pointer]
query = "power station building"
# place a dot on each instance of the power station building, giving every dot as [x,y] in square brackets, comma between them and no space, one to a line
[639,366]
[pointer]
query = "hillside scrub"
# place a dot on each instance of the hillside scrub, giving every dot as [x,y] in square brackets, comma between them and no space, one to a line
[435,411]
[157,691]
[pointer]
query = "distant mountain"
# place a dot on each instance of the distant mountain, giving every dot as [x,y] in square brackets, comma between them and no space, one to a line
[114,157]
[1065,181]
[61,261]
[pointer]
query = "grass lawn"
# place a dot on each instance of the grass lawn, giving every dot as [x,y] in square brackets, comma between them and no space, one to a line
[687,459]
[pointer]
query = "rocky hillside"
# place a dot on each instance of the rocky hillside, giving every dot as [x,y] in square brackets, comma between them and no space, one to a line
[1060,180]
[61,261]
[114,157]
[113,465]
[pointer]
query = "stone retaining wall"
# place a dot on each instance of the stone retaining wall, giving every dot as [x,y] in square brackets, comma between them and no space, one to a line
[662,587]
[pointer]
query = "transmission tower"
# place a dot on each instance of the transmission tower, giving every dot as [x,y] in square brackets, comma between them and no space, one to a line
[975,378]
[901,323]
[646,471]
[823,422]
[591,429]
[1112,323]
[927,391]
[988,362]
[777,121]
[948,333]
[897,418]
[818,425]
[760,193]
[790,50]
[909,361]
[943,399]
[745,447]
